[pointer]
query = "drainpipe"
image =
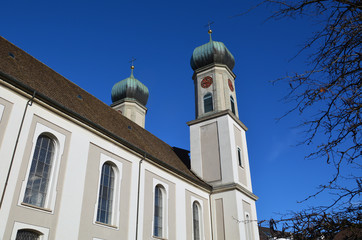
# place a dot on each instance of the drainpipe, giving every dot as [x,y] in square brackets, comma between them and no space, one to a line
[138,193]
[29,103]
[212,232]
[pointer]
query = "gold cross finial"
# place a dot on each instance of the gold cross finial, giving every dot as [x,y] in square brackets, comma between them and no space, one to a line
[132,60]
[209,25]
[132,66]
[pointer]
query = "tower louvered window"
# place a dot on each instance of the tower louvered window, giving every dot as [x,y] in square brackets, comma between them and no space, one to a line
[208,106]
[232,104]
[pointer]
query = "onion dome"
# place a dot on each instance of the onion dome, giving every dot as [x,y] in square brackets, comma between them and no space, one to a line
[212,52]
[130,89]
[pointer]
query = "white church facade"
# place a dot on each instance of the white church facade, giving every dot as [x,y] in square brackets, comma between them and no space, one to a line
[72,167]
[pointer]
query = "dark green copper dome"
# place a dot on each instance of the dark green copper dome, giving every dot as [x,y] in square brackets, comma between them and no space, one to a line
[212,52]
[130,88]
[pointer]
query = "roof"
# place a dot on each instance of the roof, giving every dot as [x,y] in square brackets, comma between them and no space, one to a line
[130,88]
[27,73]
[211,52]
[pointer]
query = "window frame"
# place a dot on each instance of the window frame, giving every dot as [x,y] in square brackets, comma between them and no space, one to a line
[36,160]
[2,110]
[207,96]
[117,169]
[239,155]
[199,203]
[59,142]
[232,105]
[164,191]
[43,232]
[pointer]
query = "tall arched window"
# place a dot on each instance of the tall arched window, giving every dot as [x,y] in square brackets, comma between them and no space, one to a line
[105,196]
[232,104]
[158,214]
[26,234]
[39,175]
[208,107]
[196,211]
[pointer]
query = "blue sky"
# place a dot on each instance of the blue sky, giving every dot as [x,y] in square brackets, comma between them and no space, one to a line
[92,42]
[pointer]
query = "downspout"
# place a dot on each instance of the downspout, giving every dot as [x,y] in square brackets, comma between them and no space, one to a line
[212,232]
[138,192]
[29,103]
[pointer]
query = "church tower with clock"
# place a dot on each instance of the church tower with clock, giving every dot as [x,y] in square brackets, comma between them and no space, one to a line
[218,143]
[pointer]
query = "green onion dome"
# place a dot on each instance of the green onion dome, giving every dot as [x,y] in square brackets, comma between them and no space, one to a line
[130,88]
[212,52]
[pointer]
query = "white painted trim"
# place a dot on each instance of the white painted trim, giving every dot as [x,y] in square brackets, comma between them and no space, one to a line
[165,200]
[117,168]
[59,141]
[2,108]
[18,226]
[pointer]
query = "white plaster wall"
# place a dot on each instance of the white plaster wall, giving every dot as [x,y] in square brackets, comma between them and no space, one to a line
[7,148]
[181,187]
[70,194]
[219,89]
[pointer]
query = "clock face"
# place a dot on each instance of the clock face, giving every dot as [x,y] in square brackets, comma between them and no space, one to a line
[206,82]
[231,85]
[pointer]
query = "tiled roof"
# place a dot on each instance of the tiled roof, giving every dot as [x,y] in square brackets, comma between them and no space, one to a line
[22,70]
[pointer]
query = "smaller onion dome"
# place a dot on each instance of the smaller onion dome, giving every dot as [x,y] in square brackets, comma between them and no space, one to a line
[212,52]
[130,88]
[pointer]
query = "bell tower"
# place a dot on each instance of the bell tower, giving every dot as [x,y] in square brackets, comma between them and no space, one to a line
[213,78]
[218,143]
[129,97]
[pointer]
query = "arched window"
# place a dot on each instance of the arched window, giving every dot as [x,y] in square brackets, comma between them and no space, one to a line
[196,211]
[232,104]
[239,158]
[208,107]
[26,234]
[39,175]
[105,196]
[158,224]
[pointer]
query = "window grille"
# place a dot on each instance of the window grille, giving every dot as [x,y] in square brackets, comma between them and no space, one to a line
[27,235]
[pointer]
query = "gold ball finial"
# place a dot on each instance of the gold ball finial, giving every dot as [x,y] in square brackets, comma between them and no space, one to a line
[210,31]
[132,67]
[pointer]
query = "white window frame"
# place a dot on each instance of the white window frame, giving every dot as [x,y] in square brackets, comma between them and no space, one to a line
[117,169]
[59,142]
[164,210]
[201,215]
[44,232]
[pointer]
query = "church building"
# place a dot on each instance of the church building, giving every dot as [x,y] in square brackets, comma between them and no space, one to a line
[72,167]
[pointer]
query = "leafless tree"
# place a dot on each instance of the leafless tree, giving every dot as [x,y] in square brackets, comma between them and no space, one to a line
[331,90]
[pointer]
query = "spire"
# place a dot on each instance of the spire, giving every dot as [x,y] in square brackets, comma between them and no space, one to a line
[210,31]
[132,66]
